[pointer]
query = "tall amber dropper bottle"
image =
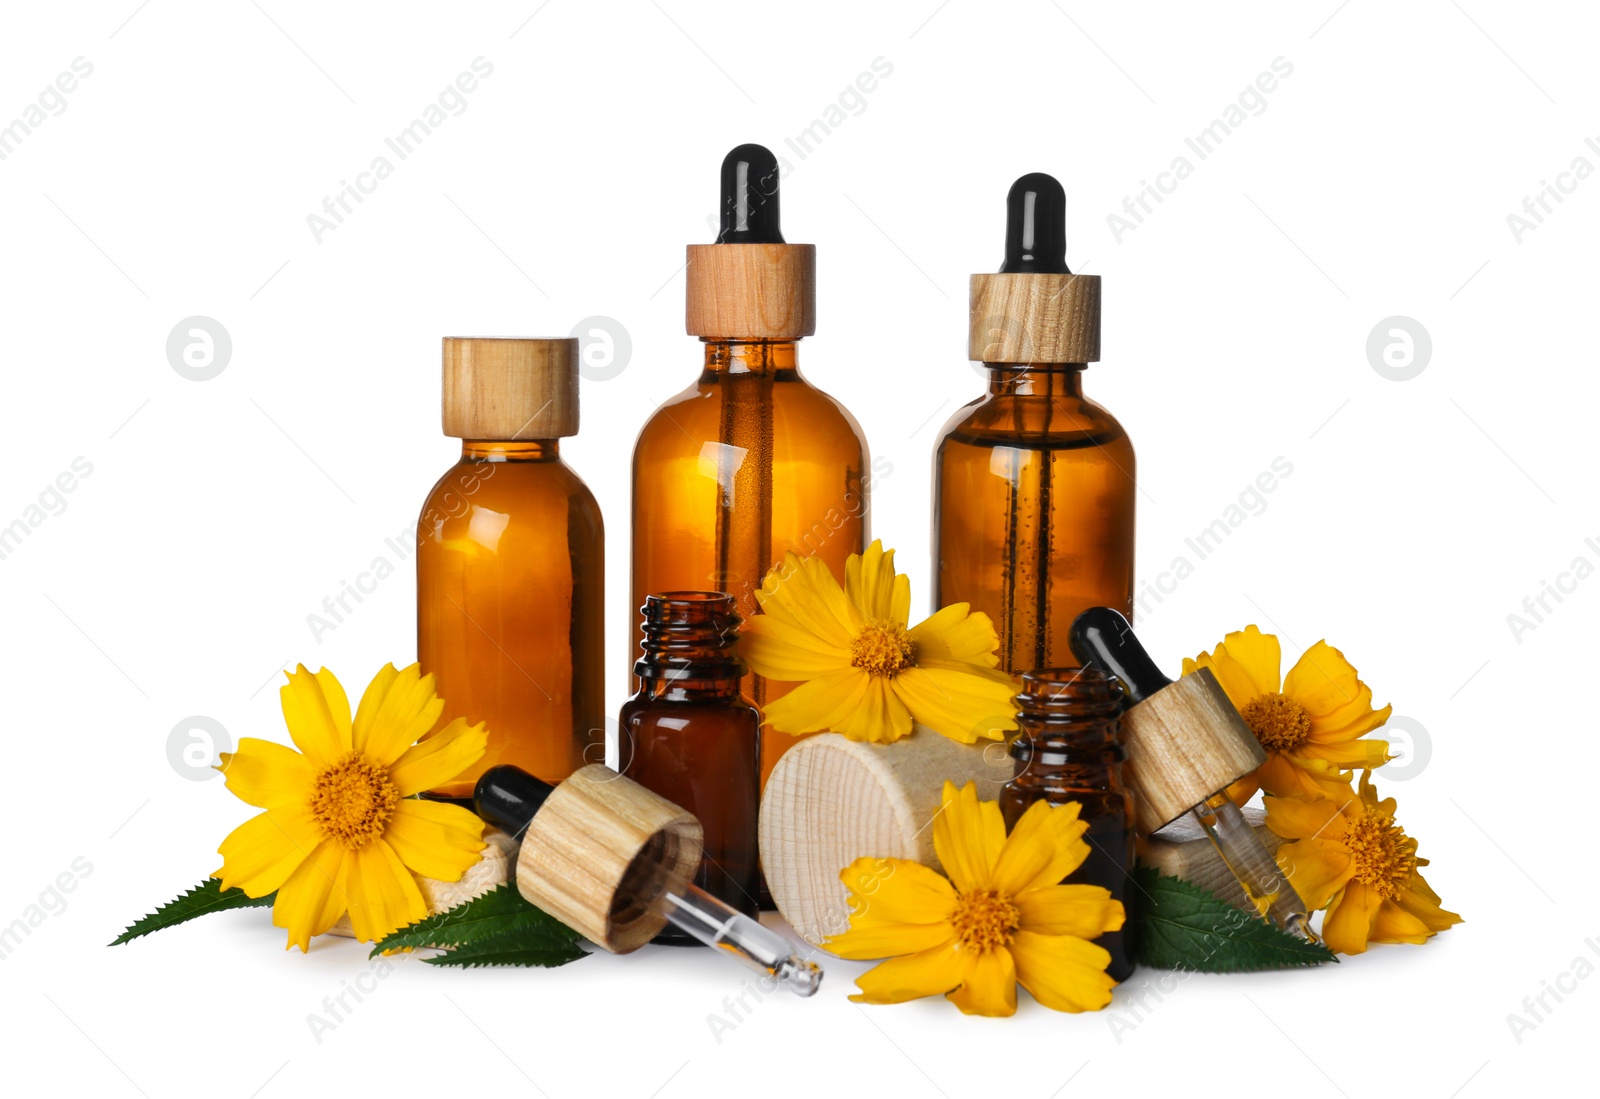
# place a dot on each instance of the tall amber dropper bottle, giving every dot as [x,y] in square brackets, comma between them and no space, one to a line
[510,591]
[751,461]
[1033,482]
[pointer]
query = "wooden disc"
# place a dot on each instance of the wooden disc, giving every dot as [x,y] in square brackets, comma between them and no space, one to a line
[752,291]
[831,800]
[1034,318]
[600,853]
[501,390]
[1185,743]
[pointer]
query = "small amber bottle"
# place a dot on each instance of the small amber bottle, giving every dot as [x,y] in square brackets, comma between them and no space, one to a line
[510,553]
[1033,482]
[1069,748]
[751,461]
[690,736]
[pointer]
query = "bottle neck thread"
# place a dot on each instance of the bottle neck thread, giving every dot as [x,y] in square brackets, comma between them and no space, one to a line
[1035,379]
[1068,715]
[521,450]
[751,356]
[690,645]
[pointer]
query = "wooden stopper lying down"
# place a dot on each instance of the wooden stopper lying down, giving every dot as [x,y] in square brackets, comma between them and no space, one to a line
[1185,742]
[601,851]
[831,800]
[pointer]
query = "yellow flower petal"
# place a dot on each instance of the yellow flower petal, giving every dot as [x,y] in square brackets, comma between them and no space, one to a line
[1422,902]
[397,710]
[968,835]
[440,758]
[869,938]
[989,986]
[879,715]
[435,840]
[1393,924]
[382,894]
[953,637]
[317,713]
[778,650]
[1045,846]
[1316,869]
[964,706]
[1285,776]
[1258,655]
[899,889]
[1302,817]
[871,584]
[1322,681]
[260,854]
[803,593]
[815,706]
[1062,972]
[264,774]
[926,973]
[310,902]
[1348,926]
[1084,911]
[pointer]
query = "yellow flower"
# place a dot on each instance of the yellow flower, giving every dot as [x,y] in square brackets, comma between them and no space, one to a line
[341,832]
[1350,855]
[1001,918]
[864,673]
[1310,726]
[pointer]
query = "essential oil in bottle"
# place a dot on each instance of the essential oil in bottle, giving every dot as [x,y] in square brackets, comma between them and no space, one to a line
[1069,749]
[1034,482]
[510,553]
[690,736]
[751,461]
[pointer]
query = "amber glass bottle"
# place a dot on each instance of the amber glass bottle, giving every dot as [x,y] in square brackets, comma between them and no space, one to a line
[1033,482]
[690,736]
[1069,749]
[751,461]
[510,591]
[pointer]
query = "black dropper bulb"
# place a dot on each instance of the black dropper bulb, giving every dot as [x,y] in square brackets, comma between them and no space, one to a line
[1036,227]
[508,797]
[750,197]
[1103,639]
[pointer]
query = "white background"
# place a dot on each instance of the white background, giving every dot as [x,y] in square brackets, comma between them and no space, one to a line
[218,515]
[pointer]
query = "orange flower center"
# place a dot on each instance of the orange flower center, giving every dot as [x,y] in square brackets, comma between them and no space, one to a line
[882,649]
[352,800]
[1385,857]
[985,919]
[1279,722]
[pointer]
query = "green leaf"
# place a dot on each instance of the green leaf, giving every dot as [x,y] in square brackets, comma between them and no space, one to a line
[1177,925]
[496,924]
[513,949]
[202,900]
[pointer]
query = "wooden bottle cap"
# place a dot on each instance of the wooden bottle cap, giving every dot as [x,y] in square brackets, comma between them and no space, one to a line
[1034,318]
[601,851]
[1185,743]
[500,390]
[831,800]
[752,291]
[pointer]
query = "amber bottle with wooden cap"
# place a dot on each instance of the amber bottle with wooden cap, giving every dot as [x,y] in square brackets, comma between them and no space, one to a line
[751,461]
[510,553]
[1069,748]
[691,737]
[1034,482]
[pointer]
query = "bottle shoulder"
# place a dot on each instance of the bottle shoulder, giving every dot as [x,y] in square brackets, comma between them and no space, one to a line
[1034,419]
[526,493]
[801,414]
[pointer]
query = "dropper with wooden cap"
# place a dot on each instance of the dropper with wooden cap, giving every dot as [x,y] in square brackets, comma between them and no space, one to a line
[510,558]
[751,461]
[1033,482]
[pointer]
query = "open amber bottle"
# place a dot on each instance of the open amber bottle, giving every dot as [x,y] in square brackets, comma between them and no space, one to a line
[1069,749]
[1034,482]
[690,736]
[510,551]
[751,461]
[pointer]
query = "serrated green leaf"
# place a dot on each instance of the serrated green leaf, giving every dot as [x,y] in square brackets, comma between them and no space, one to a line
[499,914]
[1177,925]
[514,949]
[202,900]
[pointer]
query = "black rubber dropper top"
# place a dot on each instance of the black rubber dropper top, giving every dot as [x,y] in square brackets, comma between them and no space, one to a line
[1036,227]
[750,197]
[508,797]
[1104,640]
